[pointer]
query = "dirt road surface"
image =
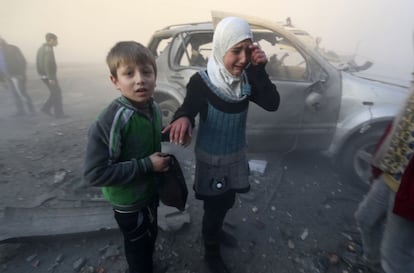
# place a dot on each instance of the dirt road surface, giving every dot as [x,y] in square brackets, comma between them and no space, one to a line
[298,216]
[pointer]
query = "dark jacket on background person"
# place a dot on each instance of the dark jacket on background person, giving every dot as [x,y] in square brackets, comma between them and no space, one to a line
[46,63]
[16,63]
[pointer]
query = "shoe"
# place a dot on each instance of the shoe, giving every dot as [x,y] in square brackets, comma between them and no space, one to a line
[216,264]
[228,240]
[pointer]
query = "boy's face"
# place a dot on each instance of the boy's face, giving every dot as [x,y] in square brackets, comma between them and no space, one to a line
[236,58]
[136,82]
[53,42]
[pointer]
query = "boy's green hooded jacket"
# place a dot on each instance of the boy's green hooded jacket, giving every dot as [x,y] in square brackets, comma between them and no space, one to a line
[120,142]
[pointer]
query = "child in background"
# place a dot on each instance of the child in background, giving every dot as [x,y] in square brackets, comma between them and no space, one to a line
[123,152]
[221,94]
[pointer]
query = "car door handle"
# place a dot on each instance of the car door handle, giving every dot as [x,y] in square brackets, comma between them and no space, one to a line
[314,101]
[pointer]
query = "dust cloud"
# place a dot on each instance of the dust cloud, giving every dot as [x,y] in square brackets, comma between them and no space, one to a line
[375,29]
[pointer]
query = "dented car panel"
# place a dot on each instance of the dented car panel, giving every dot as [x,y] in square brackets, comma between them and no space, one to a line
[323,108]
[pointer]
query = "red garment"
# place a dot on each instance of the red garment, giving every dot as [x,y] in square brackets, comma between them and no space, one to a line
[404,199]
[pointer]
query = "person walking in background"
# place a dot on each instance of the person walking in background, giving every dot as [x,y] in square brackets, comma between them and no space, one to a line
[47,69]
[123,154]
[221,94]
[13,67]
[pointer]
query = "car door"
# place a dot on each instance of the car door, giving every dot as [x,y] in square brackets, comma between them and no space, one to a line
[291,71]
[309,102]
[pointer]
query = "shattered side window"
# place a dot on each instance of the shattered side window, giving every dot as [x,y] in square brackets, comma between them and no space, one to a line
[285,61]
[197,50]
[158,46]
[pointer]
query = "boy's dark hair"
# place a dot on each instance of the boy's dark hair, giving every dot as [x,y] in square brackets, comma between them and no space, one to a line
[126,52]
[50,36]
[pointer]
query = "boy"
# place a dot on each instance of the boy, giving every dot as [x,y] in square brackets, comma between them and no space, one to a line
[123,152]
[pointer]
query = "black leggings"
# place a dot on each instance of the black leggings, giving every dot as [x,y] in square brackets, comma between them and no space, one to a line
[215,210]
[140,232]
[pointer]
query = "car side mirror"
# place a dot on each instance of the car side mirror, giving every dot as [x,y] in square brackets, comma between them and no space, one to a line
[314,101]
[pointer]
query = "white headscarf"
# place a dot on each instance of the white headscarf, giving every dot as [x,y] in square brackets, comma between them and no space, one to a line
[229,32]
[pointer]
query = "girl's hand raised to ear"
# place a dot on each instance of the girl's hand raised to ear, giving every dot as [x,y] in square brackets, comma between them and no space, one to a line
[258,56]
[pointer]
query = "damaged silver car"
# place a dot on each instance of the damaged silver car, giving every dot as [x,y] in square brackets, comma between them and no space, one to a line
[326,105]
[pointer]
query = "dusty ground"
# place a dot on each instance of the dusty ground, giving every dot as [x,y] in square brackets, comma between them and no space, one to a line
[297,218]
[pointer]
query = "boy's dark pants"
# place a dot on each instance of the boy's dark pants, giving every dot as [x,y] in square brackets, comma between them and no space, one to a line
[140,231]
[215,210]
[54,100]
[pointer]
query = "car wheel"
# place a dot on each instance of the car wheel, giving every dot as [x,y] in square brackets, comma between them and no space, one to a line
[357,156]
[168,108]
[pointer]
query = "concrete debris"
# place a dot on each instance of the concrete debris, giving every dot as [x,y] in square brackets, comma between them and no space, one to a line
[35,263]
[333,258]
[59,176]
[304,234]
[59,258]
[87,269]
[31,258]
[111,251]
[78,264]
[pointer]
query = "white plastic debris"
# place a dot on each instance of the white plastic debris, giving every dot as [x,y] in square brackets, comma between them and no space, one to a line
[257,165]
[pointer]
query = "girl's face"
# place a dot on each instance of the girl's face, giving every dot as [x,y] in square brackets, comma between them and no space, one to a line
[136,82]
[238,57]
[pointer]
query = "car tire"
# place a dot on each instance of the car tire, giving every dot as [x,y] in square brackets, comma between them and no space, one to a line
[356,158]
[168,108]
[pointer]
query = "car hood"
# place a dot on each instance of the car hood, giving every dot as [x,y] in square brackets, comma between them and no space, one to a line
[373,76]
[367,90]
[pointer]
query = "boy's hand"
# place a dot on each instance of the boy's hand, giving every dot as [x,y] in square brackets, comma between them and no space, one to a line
[258,56]
[180,131]
[160,162]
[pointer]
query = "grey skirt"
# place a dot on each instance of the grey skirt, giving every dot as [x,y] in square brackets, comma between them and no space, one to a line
[215,175]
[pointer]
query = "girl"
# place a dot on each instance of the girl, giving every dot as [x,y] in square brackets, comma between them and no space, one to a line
[221,94]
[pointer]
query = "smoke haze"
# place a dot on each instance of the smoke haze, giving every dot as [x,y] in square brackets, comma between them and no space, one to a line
[380,30]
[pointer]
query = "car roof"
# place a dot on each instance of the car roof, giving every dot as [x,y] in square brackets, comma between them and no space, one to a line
[177,28]
[171,30]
